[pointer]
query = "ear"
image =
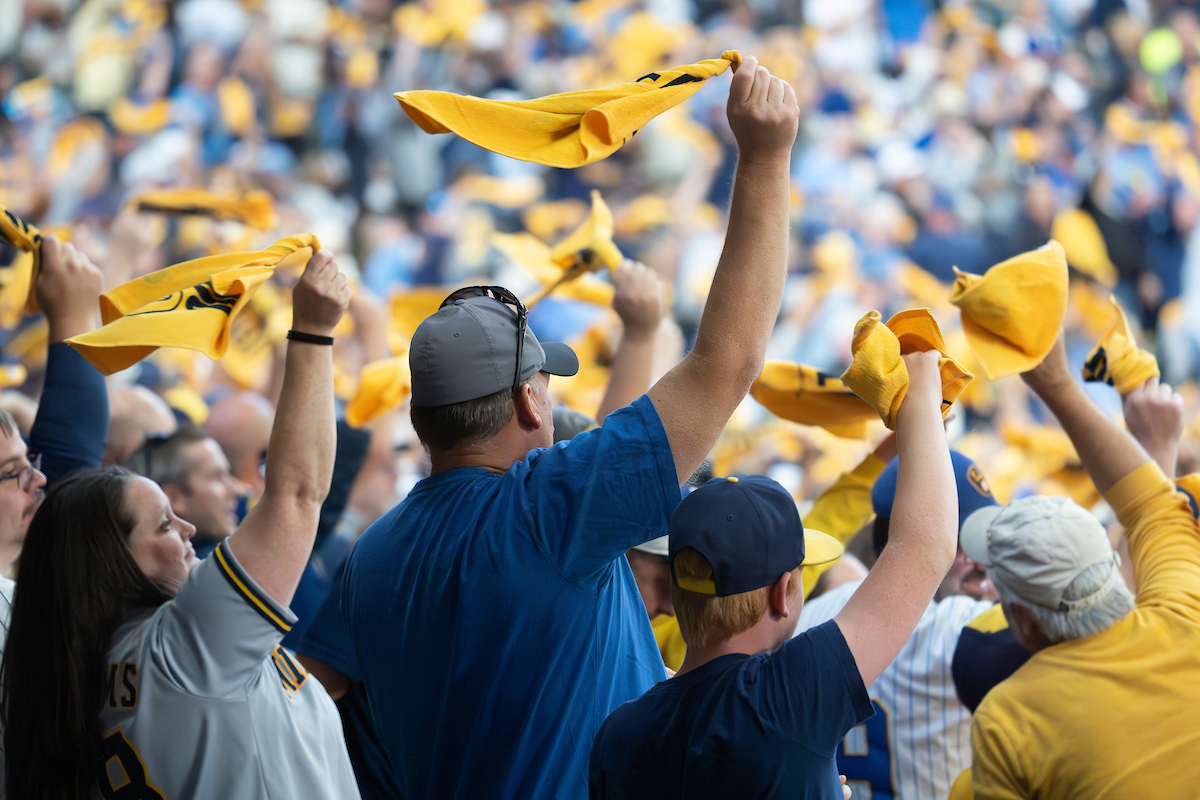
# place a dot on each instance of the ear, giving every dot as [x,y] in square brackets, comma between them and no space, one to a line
[777,599]
[1025,627]
[529,414]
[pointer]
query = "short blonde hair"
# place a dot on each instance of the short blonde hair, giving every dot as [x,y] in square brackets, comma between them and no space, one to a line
[706,619]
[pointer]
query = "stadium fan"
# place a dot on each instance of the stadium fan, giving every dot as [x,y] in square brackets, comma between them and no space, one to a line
[1099,654]
[503,623]
[132,666]
[754,711]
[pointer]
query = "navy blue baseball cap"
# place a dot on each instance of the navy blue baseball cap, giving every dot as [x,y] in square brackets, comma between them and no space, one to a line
[749,530]
[973,490]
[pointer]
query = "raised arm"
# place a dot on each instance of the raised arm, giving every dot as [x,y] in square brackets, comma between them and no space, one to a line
[696,398]
[275,540]
[923,536]
[638,301]
[71,426]
[1107,452]
[1154,416]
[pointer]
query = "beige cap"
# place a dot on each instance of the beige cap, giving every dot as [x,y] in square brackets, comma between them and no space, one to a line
[655,547]
[1037,546]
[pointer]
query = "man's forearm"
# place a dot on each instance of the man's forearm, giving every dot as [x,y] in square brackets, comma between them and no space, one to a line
[1107,452]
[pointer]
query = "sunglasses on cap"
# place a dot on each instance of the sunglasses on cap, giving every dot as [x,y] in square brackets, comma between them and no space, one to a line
[502,295]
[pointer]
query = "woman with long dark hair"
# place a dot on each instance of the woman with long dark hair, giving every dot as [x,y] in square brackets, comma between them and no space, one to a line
[136,671]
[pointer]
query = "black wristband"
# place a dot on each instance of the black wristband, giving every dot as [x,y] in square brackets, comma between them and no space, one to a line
[309,338]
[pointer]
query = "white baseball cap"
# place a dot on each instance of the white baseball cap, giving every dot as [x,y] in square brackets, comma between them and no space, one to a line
[1037,546]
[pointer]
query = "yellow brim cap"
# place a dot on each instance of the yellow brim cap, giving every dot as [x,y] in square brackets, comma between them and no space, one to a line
[820,548]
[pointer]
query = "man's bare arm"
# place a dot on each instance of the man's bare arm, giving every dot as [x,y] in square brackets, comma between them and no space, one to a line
[697,397]
[638,301]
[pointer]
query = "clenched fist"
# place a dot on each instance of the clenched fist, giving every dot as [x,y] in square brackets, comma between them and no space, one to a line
[68,289]
[763,114]
[321,296]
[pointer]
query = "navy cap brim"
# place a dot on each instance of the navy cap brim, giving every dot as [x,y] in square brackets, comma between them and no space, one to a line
[560,359]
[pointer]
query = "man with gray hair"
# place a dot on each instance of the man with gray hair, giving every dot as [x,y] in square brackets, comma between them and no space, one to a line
[1109,704]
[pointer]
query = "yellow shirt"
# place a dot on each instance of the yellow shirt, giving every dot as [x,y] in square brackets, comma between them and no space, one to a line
[842,510]
[669,639]
[1117,714]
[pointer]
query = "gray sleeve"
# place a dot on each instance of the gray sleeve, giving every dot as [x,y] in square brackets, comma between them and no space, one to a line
[213,636]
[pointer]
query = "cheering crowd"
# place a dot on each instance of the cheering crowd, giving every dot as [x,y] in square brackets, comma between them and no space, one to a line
[463,492]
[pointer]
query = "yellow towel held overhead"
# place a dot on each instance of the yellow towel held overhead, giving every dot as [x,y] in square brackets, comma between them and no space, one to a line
[591,243]
[254,209]
[384,385]
[1012,314]
[804,394]
[878,374]
[1117,360]
[190,305]
[562,130]
[28,239]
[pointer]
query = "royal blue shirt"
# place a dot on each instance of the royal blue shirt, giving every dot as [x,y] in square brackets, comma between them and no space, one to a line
[739,726]
[495,622]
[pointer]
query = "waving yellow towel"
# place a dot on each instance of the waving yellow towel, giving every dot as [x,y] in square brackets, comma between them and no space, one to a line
[806,395]
[1117,360]
[28,239]
[254,209]
[562,130]
[384,385]
[189,305]
[1012,314]
[878,374]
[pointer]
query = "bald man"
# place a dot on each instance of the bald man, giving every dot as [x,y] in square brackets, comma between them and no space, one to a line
[241,424]
[134,413]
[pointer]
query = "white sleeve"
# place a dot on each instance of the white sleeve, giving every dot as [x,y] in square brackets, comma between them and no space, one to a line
[826,607]
[212,637]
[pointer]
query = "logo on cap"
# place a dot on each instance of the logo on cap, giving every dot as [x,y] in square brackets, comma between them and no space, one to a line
[977,481]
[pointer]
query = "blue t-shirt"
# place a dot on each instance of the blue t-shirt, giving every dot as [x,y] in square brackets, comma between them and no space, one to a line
[494,620]
[738,726]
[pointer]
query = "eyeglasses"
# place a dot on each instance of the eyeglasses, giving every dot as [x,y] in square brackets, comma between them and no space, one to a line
[24,476]
[507,298]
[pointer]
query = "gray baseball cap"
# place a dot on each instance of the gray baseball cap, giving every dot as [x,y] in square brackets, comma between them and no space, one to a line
[1037,546]
[468,350]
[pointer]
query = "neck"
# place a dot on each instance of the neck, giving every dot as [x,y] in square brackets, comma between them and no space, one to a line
[496,454]
[758,639]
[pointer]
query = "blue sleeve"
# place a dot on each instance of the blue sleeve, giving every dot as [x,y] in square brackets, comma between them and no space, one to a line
[328,637]
[815,689]
[596,496]
[72,419]
[982,660]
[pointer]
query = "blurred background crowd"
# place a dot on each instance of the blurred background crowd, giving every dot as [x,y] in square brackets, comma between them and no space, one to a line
[934,135]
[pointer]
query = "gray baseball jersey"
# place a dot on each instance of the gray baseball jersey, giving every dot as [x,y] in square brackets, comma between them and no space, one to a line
[920,737]
[203,702]
[7,587]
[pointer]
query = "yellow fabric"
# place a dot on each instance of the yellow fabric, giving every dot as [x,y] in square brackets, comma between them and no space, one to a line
[961,788]
[236,101]
[645,213]
[842,510]
[254,335]
[139,119]
[1100,716]
[591,243]
[27,238]
[526,251]
[190,305]
[806,395]
[512,193]
[1012,314]
[990,621]
[1083,245]
[254,209]
[12,375]
[547,220]
[1117,360]
[384,385]
[878,374]
[670,640]
[188,400]
[409,309]
[563,130]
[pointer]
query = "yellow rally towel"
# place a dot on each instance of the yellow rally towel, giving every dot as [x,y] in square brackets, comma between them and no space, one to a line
[1083,245]
[562,130]
[1117,360]
[527,252]
[384,385]
[878,374]
[190,305]
[1012,314]
[255,209]
[806,395]
[28,239]
[591,243]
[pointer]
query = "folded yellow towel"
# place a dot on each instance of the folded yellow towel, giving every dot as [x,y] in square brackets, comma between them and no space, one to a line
[1117,360]
[804,394]
[878,374]
[190,305]
[591,243]
[27,238]
[384,385]
[1012,314]
[562,130]
[254,209]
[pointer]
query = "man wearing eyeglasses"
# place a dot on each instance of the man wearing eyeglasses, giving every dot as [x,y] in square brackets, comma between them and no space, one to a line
[494,620]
